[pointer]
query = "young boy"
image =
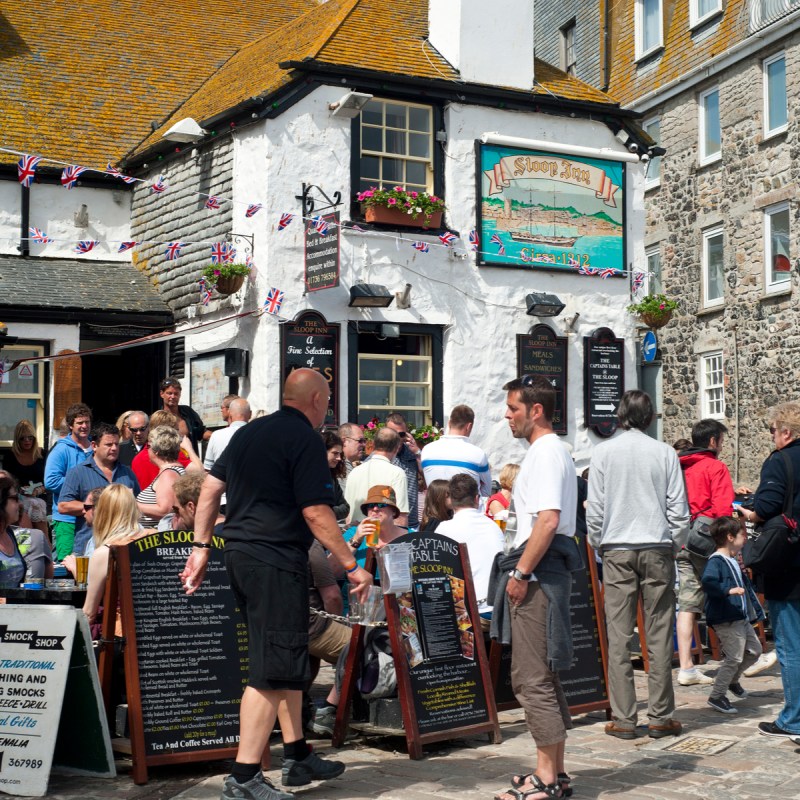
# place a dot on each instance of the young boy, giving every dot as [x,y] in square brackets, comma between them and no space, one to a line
[731,608]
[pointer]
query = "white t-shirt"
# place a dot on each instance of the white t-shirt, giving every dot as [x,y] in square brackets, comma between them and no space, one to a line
[484,540]
[546,480]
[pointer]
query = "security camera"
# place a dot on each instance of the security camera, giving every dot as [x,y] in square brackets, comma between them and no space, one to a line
[633,147]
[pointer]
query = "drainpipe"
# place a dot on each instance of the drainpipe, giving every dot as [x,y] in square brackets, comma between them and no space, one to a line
[605,60]
[24,246]
[737,416]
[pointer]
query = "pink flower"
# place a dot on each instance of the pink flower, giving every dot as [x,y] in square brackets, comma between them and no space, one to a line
[370,425]
[661,307]
[398,189]
[425,435]
[391,201]
[217,273]
[434,198]
[414,194]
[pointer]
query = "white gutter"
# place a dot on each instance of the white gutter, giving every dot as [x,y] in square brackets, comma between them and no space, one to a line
[555,147]
[780,29]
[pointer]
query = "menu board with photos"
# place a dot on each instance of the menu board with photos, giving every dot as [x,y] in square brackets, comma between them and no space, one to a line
[185,655]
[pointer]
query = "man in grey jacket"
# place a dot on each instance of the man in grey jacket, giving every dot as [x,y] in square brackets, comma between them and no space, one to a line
[638,518]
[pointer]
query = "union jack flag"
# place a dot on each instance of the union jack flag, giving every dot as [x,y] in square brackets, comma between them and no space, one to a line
[252,210]
[70,175]
[608,272]
[205,293]
[588,270]
[274,301]
[212,203]
[112,170]
[474,242]
[447,238]
[26,169]
[160,185]
[501,250]
[39,236]
[85,246]
[638,281]
[421,246]
[126,246]
[285,219]
[358,228]
[219,252]
[230,254]
[173,250]
[320,226]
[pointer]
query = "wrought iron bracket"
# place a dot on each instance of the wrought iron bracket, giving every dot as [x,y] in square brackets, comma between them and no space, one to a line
[308,203]
[250,238]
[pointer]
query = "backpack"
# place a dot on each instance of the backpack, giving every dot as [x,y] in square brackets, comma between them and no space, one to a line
[699,542]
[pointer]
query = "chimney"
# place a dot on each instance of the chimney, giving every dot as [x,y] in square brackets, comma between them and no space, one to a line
[488,43]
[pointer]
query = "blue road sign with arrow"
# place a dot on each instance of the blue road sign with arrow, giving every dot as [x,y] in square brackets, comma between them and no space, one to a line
[649,347]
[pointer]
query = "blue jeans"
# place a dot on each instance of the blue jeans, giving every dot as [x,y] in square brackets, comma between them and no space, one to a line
[785,617]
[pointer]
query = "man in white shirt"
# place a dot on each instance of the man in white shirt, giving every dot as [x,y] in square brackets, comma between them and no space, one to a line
[453,453]
[545,499]
[378,470]
[238,416]
[483,538]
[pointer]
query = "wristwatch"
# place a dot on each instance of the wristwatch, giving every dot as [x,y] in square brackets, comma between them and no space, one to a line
[520,576]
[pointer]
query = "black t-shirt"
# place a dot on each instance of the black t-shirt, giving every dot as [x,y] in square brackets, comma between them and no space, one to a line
[273,468]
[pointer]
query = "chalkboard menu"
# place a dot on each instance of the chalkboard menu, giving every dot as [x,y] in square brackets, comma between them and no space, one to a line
[443,675]
[543,353]
[185,656]
[321,237]
[584,683]
[311,342]
[603,379]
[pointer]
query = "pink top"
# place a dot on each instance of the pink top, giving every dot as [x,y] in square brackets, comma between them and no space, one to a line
[501,498]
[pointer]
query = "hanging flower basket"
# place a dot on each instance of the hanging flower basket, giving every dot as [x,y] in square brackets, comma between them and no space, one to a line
[656,319]
[230,284]
[400,219]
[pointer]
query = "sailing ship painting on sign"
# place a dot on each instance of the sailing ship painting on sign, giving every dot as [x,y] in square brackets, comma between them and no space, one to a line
[551,211]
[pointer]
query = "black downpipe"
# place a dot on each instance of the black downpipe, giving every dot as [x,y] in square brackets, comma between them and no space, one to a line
[25,218]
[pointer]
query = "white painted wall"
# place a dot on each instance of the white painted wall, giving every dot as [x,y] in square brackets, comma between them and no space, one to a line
[52,209]
[493,47]
[484,308]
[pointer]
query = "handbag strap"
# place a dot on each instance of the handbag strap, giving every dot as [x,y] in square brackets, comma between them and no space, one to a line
[788,498]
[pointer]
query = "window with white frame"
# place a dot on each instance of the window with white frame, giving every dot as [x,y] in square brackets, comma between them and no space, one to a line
[712,386]
[395,383]
[396,145]
[775,107]
[710,130]
[653,258]
[649,27]
[778,264]
[23,392]
[568,57]
[702,10]
[652,127]
[713,268]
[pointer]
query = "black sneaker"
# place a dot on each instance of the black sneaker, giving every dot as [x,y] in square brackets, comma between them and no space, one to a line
[738,690]
[722,704]
[258,788]
[771,729]
[311,768]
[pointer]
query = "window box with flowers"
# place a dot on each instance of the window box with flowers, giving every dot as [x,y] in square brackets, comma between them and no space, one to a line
[654,310]
[227,278]
[401,208]
[423,434]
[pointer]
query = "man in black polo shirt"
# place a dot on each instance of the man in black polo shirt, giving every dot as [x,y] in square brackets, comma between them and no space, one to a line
[279,497]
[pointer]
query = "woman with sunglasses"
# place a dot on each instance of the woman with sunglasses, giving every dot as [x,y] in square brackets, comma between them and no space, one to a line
[124,426]
[381,507]
[25,462]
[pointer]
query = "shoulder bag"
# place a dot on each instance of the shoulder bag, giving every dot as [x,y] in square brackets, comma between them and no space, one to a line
[773,547]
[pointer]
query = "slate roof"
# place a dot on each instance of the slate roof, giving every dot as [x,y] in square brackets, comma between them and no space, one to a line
[388,38]
[82,81]
[683,50]
[64,284]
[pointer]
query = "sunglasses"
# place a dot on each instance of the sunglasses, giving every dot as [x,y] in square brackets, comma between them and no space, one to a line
[27,438]
[87,506]
[377,505]
[138,430]
[772,430]
[167,382]
[353,439]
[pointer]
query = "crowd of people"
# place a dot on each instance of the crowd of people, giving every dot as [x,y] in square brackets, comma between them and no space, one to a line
[298,507]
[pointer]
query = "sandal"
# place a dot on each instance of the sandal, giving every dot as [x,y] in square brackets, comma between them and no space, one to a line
[538,787]
[564,781]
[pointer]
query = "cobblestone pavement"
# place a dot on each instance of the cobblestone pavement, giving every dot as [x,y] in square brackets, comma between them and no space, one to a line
[747,765]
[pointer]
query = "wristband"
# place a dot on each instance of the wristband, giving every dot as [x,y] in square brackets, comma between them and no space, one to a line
[204,545]
[352,568]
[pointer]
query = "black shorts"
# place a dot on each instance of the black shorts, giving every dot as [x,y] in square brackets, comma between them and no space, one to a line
[274,604]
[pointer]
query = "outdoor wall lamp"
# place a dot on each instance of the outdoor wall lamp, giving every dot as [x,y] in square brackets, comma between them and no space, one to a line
[542,304]
[187,130]
[370,295]
[350,105]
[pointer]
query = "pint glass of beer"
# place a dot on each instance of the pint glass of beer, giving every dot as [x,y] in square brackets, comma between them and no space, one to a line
[374,535]
[81,571]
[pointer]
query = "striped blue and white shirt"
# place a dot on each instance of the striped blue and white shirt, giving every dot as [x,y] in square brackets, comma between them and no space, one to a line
[451,455]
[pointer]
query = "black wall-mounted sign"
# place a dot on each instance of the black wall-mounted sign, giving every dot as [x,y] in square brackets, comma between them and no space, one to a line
[543,353]
[603,379]
[322,245]
[311,341]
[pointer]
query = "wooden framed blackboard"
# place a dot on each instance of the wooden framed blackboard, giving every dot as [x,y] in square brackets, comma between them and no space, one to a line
[312,342]
[603,380]
[184,670]
[585,683]
[541,352]
[443,678]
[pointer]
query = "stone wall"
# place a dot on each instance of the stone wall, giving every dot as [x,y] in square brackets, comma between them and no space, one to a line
[757,332]
[179,214]
[551,17]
